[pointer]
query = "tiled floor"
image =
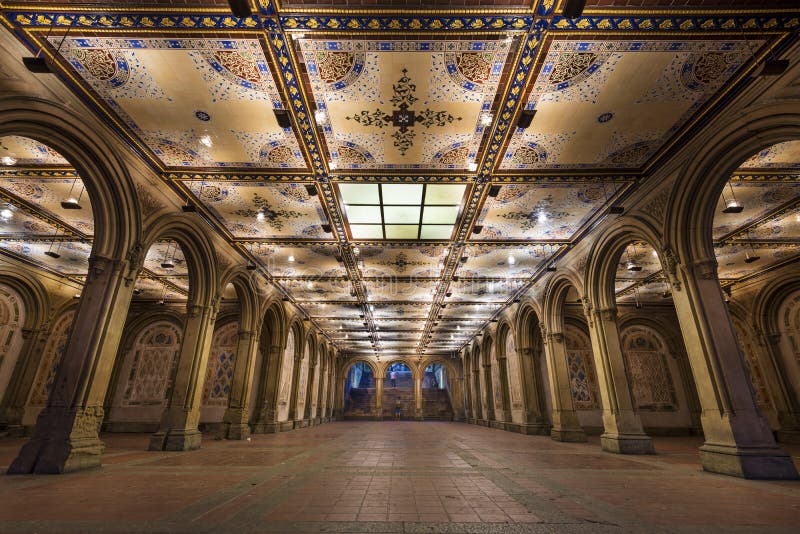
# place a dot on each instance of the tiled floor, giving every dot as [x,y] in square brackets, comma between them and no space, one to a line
[394,477]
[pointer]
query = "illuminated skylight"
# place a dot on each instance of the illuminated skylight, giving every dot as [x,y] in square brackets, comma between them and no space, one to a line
[402,211]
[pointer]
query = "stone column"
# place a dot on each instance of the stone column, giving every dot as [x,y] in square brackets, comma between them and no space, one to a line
[269,388]
[418,398]
[566,426]
[237,416]
[467,391]
[296,419]
[66,437]
[310,409]
[489,393]
[504,414]
[178,429]
[786,403]
[738,440]
[534,417]
[458,392]
[379,398]
[19,387]
[623,432]
[477,409]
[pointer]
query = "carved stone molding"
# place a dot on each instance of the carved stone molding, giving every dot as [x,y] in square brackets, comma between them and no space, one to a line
[147,202]
[656,207]
[705,269]
[606,314]
[556,337]
[669,260]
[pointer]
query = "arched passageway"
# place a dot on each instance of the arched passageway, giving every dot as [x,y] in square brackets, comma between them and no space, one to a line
[437,393]
[360,398]
[399,392]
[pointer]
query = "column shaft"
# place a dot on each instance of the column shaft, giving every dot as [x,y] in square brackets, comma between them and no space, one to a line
[566,426]
[235,421]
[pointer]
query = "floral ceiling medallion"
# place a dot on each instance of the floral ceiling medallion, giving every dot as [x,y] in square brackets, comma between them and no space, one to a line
[403,118]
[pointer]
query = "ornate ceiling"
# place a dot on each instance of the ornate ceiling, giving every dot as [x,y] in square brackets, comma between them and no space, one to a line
[401,208]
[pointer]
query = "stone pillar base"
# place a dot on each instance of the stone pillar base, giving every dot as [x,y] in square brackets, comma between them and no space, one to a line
[568,435]
[234,431]
[788,436]
[51,457]
[756,463]
[534,429]
[17,431]
[300,423]
[177,439]
[265,428]
[627,443]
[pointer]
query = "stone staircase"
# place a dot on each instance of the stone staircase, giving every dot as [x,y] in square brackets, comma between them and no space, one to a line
[360,404]
[436,405]
[403,394]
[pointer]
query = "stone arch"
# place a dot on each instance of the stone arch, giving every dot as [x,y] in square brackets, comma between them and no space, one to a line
[112,192]
[197,249]
[22,359]
[55,346]
[604,259]
[219,370]
[144,372]
[131,331]
[555,299]
[404,360]
[365,405]
[697,190]
[246,294]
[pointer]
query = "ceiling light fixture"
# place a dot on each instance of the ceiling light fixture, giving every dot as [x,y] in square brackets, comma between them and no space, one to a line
[773,67]
[72,203]
[477,229]
[260,215]
[616,210]
[472,166]
[327,228]
[6,214]
[573,8]
[494,191]
[321,116]
[732,206]
[290,259]
[240,8]
[311,189]
[486,119]
[542,217]
[8,161]
[283,118]
[525,118]
[632,266]
[332,165]
[511,259]
[206,141]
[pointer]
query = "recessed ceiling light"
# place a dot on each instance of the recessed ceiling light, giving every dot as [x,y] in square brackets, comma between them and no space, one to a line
[320,116]
[6,214]
[290,259]
[8,160]
[472,166]
[486,119]
[260,215]
[332,165]
[542,217]
[205,140]
[511,259]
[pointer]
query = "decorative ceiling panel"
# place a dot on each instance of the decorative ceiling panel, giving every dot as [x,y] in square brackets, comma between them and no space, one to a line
[388,261]
[343,310]
[756,200]
[166,258]
[391,289]
[253,210]
[541,211]
[152,289]
[317,290]
[15,222]
[784,228]
[312,261]
[482,290]
[731,258]
[782,156]
[22,151]
[403,104]
[404,311]
[193,102]
[73,255]
[491,261]
[614,104]
[395,325]
[49,193]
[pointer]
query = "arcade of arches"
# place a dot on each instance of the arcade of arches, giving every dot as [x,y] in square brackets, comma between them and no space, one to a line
[222,229]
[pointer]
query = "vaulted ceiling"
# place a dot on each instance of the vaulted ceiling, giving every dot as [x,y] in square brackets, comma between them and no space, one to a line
[400,207]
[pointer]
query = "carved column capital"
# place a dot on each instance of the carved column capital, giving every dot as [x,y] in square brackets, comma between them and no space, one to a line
[606,314]
[669,260]
[705,269]
[556,337]
[245,335]
[525,351]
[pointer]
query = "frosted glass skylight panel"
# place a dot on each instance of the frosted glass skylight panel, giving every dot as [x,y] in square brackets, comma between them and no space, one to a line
[430,231]
[364,214]
[440,215]
[402,231]
[366,231]
[401,211]
[401,214]
[406,194]
[360,193]
[444,194]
